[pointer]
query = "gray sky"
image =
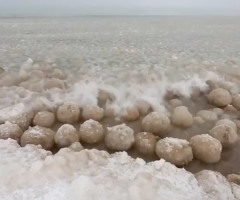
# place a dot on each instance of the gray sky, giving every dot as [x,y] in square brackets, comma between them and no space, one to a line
[120,7]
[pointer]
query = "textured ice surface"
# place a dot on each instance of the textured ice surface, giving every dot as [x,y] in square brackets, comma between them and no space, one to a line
[32,173]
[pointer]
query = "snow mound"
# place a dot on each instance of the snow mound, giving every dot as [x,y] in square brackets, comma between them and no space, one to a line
[32,173]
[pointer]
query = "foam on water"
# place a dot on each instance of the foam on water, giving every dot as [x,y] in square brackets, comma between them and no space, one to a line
[123,94]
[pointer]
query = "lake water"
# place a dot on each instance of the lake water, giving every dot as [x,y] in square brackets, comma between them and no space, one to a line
[45,62]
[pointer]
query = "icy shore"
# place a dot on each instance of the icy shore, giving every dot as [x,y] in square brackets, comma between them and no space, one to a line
[32,173]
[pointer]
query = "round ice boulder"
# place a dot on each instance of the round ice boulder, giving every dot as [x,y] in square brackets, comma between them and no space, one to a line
[174,150]
[218,111]
[18,114]
[225,134]
[91,132]
[220,97]
[143,107]
[49,83]
[58,74]
[156,123]
[208,115]
[198,120]
[76,146]
[93,112]
[66,135]
[212,84]
[132,114]
[145,143]
[109,111]
[39,136]
[206,148]
[236,102]
[175,103]
[230,109]
[182,117]
[68,113]
[119,138]
[10,130]
[227,122]
[33,84]
[44,119]
[104,97]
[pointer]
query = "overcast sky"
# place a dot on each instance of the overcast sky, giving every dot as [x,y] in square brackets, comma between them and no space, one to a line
[120,7]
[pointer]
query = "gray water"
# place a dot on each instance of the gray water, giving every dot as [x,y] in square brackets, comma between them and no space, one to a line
[182,44]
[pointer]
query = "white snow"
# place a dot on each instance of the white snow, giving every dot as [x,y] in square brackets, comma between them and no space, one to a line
[32,173]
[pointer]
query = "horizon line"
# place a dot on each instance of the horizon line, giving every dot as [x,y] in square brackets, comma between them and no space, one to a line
[117,15]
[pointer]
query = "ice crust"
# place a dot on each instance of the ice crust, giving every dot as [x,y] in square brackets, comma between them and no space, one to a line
[32,173]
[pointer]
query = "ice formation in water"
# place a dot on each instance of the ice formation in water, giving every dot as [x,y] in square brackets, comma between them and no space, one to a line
[206,148]
[99,108]
[139,94]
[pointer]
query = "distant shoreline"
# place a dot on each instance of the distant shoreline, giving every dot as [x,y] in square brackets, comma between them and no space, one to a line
[115,16]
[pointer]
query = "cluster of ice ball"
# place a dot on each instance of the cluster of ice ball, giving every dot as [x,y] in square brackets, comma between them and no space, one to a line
[38,77]
[91,132]
[68,113]
[10,130]
[39,136]
[220,97]
[226,132]
[17,114]
[44,118]
[208,115]
[121,137]
[174,150]
[93,112]
[206,148]
[66,135]
[182,117]
[156,123]
[145,143]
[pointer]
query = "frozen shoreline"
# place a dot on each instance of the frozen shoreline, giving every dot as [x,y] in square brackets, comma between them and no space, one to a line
[92,174]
